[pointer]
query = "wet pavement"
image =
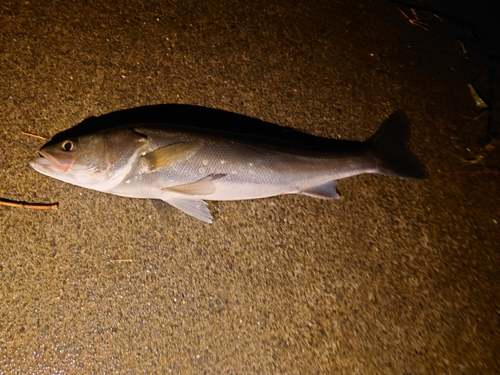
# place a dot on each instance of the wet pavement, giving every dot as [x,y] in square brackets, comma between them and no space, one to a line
[397,277]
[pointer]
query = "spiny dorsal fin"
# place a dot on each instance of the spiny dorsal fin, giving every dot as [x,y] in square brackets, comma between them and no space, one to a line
[165,156]
[205,186]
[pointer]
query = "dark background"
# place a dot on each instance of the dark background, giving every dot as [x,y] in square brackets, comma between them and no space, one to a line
[397,277]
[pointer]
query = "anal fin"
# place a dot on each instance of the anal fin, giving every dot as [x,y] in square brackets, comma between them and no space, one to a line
[325,191]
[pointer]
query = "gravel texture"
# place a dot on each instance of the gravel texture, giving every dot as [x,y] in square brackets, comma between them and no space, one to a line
[397,277]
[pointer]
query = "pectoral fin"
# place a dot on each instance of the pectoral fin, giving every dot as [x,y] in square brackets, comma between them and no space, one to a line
[165,156]
[205,186]
[325,191]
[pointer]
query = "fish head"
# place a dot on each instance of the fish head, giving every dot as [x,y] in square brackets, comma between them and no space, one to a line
[97,161]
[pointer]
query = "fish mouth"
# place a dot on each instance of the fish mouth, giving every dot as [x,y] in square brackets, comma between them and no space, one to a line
[48,162]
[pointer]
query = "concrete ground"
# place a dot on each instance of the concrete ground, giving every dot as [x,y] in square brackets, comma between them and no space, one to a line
[397,277]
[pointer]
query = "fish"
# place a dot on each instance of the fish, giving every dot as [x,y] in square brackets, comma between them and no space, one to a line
[185,166]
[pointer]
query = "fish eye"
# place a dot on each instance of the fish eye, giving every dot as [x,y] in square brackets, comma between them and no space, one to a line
[68,146]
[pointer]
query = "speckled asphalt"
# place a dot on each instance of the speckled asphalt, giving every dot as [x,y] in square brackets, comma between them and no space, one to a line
[397,277]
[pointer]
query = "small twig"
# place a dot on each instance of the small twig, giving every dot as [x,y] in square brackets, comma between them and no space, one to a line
[477,99]
[415,15]
[476,160]
[481,113]
[494,170]
[414,21]
[462,46]
[33,206]
[120,260]
[33,135]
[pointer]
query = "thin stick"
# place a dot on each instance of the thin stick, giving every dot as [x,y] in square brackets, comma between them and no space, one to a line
[490,170]
[414,21]
[33,206]
[120,260]
[33,135]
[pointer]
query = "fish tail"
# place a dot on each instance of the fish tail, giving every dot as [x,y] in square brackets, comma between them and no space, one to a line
[392,155]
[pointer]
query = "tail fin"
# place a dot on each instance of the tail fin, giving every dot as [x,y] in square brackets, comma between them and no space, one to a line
[393,157]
